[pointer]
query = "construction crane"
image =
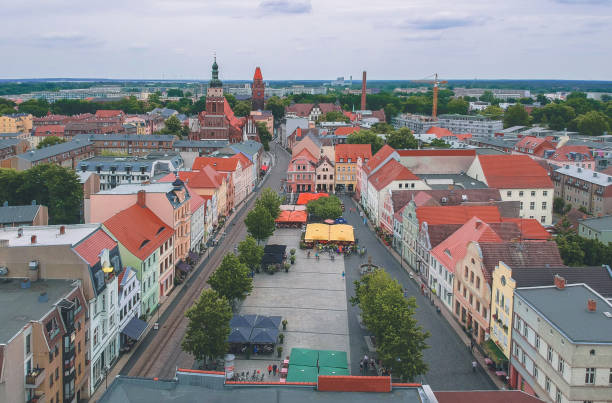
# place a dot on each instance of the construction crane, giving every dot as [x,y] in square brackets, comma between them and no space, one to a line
[436,83]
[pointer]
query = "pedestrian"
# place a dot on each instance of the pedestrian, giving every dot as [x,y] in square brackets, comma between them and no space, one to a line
[361,366]
[365,357]
[372,364]
[269,369]
[274,368]
[474,364]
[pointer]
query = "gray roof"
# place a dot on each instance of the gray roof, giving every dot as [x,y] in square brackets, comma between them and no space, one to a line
[10,142]
[22,305]
[199,387]
[600,224]
[10,135]
[567,310]
[200,143]
[459,180]
[134,162]
[18,214]
[492,141]
[586,175]
[125,137]
[598,278]
[249,147]
[43,153]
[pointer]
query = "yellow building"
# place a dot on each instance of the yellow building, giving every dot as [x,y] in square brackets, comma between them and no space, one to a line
[346,164]
[501,307]
[16,123]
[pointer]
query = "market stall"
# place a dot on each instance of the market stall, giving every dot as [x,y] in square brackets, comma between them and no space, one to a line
[305,198]
[291,219]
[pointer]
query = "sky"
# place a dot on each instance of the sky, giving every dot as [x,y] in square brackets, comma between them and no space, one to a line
[307,39]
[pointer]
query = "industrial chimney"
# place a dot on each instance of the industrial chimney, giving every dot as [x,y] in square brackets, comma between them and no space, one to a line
[363,92]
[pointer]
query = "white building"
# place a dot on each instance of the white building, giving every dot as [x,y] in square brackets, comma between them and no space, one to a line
[129,305]
[197,226]
[562,343]
[459,124]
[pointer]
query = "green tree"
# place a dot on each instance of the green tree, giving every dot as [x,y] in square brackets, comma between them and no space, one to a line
[154,101]
[570,250]
[259,223]
[493,112]
[198,106]
[334,116]
[558,205]
[541,98]
[525,101]
[487,96]
[173,126]
[277,107]
[557,116]
[400,341]
[50,141]
[390,111]
[7,106]
[264,135]
[231,279]
[175,92]
[402,139]
[325,208]
[366,137]
[242,108]
[458,106]
[231,100]
[592,123]
[516,115]
[269,200]
[439,143]
[37,107]
[382,128]
[208,327]
[250,253]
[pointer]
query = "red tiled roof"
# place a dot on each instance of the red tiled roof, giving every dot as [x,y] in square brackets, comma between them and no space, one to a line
[346,130]
[304,153]
[305,198]
[219,164]
[90,248]
[244,160]
[422,198]
[108,113]
[439,131]
[329,383]
[378,158]
[302,110]
[350,115]
[493,396]
[519,254]
[205,178]
[513,172]
[49,130]
[437,153]
[391,171]
[329,107]
[530,228]
[229,115]
[450,251]
[353,151]
[257,75]
[195,201]
[380,114]
[139,230]
[563,153]
[434,215]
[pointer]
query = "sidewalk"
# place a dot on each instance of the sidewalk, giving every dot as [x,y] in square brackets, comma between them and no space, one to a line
[443,311]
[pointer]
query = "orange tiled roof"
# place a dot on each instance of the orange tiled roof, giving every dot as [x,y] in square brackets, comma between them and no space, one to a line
[391,171]
[108,113]
[353,151]
[139,230]
[435,215]
[49,130]
[195,201]
[530,228]
[378,158]
[347,383]
[437,153]
[346,130]
[218,164]
[439,132]
[244,161]
[90,248]
[257,75]
[563,153]
[513,172]
[304,153]
[205,178]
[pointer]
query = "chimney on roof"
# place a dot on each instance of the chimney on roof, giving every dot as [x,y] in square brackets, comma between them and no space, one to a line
[363,92]
[62,229]
[141,198]
[559,282]
[19,232]
[478,224]
[33,239]
[591,305]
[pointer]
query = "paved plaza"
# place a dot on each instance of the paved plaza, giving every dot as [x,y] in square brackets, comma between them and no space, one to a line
[311,297]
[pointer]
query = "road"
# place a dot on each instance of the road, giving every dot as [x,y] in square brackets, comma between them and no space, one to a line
[448,358]
[160,353]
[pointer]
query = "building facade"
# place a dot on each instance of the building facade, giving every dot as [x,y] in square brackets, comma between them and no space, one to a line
[584,188]
[258,91]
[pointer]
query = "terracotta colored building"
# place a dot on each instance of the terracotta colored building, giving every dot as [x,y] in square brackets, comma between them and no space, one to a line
[301,173]
[258,89]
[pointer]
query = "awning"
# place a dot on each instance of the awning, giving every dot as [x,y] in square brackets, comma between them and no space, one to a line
[135,328]
[184,267]
[305,198]
[341,232]
[264,336]
[239,335]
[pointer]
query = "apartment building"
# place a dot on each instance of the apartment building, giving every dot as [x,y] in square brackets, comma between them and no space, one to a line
[584,188]
[16,123]
[12,147]
[43,349]
[599,228]
[474,124]
[562,343]
[347,156]
[130,324]
[301,173]
[67,155]
[115,171]
[518,178]
[128,143]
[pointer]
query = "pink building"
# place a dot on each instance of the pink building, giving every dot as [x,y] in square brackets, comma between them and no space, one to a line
[168,201]
[301,173]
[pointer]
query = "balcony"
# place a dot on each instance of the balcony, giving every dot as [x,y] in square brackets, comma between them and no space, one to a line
[34,378]
[38,397]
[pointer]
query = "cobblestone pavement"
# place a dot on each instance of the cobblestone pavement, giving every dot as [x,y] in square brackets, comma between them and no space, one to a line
[448,357]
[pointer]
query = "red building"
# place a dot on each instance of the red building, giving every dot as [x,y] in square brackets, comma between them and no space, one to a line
[302,172]
[258,89]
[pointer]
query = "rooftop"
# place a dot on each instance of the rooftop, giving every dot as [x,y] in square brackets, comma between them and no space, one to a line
[48,234]
[488,396]
[514,172]
[586,175]
[458,181]
[200,143]
[566,310]
[598,278]
[25,303]
[134,162]
[391,171]
[46,152]
[128,189]
[601,224]
[124,137]
[18,214]
[353,151]
[435,215]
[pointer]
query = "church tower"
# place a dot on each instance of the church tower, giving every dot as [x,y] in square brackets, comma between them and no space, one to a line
[258,90]
[214,93]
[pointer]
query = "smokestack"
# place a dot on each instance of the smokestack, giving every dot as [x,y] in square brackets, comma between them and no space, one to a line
[141,198]
[62,230]
[363,92]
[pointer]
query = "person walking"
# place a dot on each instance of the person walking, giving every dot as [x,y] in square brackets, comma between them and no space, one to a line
[474,365]
[342,274]
[274,368]
[269,369]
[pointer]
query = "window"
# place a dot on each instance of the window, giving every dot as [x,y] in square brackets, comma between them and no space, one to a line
[545,193]
[523,357]
[533,193]
[610,379]
[521,193]
[535,372]
[547,384]
[561,365]
[558,396]
[526,331]
[56,374]
[28,346]
[537,341]
[509,193]
[543,219]
[532,206]
[51,380]
[543,205]
[478,283]
[549,355]
[589,377]
[521,206]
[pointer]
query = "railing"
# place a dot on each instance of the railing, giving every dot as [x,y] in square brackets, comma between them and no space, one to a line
[39,397]
[34,378]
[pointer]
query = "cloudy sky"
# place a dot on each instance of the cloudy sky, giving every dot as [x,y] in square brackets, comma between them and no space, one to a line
[307,39]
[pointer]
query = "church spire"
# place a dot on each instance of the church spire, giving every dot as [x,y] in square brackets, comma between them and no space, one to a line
[215,82]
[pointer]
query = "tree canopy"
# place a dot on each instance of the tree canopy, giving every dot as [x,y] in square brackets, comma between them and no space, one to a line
[250,253]
[592,123]
[231,279]
[264,135]
[208,327]
[386,313]
[334,116]
[439,143]
[50,141]
[325,207]
[402,139]
[516,115]
[53,186]
[242,108]
[269,200]
[260,223]
[366,137]
[277,107]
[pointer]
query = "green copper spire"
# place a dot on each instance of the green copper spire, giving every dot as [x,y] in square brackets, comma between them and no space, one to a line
[215,82]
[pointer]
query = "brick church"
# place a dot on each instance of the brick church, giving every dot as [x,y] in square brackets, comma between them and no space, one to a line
[257,91]
[218,122]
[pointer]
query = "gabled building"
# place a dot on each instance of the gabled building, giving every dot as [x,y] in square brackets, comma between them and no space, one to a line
[536,146]
[67,155]
[16,123]
[301,173]
[367,168]
[347,156]
[325,170]
[18,216]
[241,176]
[311,111]
[599,228]
[518,178]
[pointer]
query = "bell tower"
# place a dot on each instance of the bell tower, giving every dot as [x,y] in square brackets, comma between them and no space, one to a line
[257,91]
[214,93]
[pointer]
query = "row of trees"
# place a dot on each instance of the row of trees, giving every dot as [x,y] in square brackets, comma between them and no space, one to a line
[53,186]
[400,341]
[260,220]
[400,139]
